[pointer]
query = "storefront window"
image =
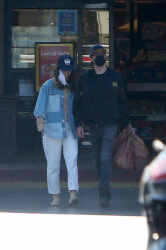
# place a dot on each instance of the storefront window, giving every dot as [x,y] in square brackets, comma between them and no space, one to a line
[148,62]
[95,31]
[31,26]
[140,45]
[140,51]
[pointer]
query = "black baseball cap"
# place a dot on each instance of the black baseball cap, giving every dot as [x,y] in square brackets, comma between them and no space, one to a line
[66,63]
[96,48]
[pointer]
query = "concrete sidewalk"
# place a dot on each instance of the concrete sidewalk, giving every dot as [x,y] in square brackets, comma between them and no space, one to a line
[28,221]
[37,200]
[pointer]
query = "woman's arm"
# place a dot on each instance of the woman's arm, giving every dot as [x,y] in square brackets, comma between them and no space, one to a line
[40,108]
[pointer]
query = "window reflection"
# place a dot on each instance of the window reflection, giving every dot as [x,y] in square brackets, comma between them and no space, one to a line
[95,31]
[31,26]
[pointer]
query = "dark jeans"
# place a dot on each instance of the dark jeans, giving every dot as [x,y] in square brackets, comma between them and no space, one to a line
[102,140]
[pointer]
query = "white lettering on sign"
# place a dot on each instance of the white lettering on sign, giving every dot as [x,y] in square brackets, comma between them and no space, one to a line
[45,53]
[54,53]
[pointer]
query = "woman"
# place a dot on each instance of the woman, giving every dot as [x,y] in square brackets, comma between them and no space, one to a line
[55,120]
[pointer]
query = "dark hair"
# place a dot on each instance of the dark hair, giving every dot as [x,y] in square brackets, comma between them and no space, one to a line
[72,80]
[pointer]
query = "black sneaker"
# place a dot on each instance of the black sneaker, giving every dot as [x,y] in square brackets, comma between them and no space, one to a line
[108,194]
[104,201]
[105,197]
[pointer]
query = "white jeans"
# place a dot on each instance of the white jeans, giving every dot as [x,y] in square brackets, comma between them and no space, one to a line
[52,149]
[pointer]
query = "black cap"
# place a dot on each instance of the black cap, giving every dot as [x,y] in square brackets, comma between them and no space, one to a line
[95,49]
[66,63]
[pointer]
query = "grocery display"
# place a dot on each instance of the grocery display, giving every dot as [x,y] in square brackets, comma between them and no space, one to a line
[148,113]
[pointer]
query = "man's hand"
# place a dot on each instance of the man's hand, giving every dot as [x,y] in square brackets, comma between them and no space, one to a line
[131,128]
[80,132]
[40,127]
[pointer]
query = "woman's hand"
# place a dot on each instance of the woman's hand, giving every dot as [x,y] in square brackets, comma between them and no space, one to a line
[40,127]
[40,122]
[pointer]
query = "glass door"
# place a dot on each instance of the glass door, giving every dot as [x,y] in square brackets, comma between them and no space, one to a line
[95,30]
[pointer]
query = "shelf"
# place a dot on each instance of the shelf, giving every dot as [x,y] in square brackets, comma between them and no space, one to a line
[146,87]
[139,114]
[152,120]
[151,117]
[86,143]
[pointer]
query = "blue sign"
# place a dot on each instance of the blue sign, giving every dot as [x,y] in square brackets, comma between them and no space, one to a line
[67,22]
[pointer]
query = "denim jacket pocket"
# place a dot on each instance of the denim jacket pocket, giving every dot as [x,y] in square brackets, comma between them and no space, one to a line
[53,103]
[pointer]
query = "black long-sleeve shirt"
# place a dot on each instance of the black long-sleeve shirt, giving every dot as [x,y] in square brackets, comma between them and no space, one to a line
[100,99]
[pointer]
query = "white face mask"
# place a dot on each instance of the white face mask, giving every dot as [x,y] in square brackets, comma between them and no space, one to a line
[62,78]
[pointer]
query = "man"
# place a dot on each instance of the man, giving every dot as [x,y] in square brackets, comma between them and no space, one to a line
[100,103]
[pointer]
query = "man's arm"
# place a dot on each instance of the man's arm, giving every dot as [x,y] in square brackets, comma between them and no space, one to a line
[80,132]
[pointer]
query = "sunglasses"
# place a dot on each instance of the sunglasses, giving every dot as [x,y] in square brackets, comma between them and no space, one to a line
[99,54]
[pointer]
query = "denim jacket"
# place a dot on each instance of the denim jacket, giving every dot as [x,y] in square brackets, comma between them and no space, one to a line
[50,106]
